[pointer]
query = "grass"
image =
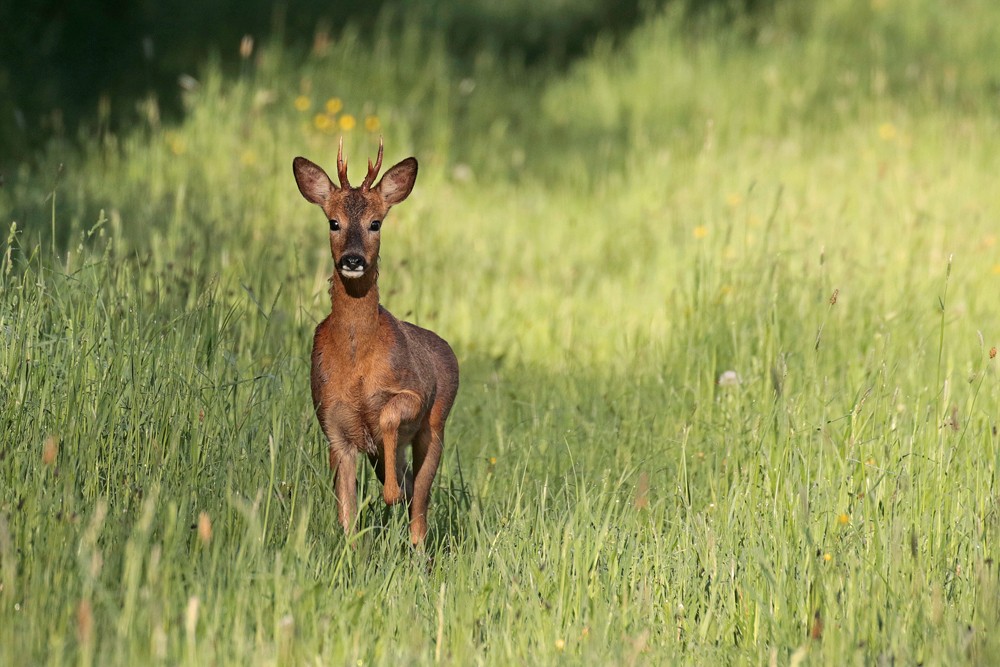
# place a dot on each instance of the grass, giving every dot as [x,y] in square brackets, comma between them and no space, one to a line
[803,201]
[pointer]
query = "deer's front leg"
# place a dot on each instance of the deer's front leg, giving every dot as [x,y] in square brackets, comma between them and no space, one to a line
[345,482]
[346,487]
[402,408]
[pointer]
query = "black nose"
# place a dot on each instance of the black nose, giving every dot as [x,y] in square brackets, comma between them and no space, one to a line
[352,262]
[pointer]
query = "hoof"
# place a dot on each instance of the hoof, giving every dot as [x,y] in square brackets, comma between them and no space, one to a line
[391,496]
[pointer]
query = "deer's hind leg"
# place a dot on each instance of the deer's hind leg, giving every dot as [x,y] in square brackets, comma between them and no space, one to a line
[427,446]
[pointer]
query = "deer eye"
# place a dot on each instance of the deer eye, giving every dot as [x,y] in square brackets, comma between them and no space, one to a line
[375,226]
[334,226]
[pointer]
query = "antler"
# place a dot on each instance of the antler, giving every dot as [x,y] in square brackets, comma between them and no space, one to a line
[342,166]
[373,169]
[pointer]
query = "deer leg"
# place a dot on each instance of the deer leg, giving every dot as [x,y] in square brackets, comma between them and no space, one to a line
[427,448]
[405,475]
[345,485]
[342,464]
[402,408]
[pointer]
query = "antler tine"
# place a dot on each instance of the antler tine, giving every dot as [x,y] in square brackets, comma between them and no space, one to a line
[342,166]
[373,169]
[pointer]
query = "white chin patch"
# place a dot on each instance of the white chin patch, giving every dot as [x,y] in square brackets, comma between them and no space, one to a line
[351,274]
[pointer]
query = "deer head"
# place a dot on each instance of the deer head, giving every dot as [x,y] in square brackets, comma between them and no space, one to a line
[355,214]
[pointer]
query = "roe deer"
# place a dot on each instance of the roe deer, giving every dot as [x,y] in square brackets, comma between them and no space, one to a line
[377,382]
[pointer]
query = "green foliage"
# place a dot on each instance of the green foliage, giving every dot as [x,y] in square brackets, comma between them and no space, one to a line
[724,300]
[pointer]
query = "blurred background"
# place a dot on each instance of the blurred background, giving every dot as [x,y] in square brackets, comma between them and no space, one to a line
[64,64]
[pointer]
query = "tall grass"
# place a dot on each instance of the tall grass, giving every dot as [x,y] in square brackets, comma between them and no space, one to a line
[723,300]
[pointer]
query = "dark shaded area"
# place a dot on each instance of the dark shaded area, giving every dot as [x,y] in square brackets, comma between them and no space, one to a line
[72,65]
[63,62]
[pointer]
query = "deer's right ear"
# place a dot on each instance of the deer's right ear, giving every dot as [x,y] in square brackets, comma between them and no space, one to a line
[313,182]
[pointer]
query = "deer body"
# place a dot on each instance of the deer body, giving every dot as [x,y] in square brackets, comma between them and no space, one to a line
[377,383]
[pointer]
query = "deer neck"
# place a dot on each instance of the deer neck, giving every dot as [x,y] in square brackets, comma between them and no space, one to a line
[354,307]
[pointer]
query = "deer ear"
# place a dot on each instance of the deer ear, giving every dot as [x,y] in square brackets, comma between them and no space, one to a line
[313,182]
[397,183]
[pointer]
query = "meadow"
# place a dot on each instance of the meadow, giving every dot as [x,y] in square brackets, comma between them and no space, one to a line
[724,296]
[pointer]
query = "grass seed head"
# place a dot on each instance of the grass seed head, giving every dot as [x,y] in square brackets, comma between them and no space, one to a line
[204,528]
[84,621]
[728,379]
[246,46]
[642,492]
[50,450]
[191,615]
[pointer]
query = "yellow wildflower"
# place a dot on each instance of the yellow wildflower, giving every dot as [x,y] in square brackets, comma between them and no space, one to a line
[843,519]
[887,131]
[347,122]
[322,121]
[372,123]
[700,232]
[302,103]
[176,143]
[334,105]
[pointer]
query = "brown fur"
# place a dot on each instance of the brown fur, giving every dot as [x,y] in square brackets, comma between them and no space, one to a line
[377,383]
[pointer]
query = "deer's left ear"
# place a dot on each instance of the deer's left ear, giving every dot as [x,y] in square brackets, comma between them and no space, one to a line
[397,183]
